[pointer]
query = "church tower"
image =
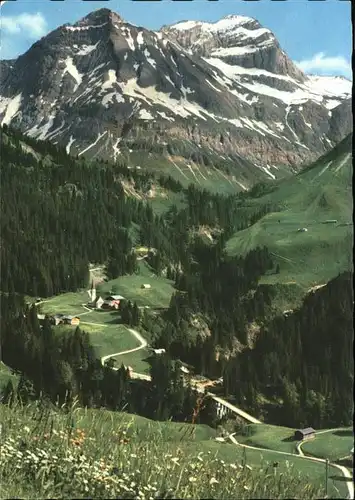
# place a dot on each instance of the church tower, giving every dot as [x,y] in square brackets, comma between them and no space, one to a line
[92,292]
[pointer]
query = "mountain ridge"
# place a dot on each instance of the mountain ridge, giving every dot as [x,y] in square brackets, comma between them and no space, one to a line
[104,87]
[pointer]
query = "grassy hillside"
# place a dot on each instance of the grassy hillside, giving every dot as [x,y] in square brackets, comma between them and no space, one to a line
[333,444]
[319,193]
[106,455]
[273,437]
[105,338]
[107,335]
[130,286]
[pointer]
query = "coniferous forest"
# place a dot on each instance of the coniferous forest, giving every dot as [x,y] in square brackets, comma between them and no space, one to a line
[60,213]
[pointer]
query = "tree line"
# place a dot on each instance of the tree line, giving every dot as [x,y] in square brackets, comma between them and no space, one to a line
[61,366]
[60,213]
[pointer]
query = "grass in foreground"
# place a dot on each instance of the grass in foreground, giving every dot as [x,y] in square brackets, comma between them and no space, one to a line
[6,375]
[49,454]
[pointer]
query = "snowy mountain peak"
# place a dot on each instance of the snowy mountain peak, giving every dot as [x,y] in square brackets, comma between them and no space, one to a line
[184,25]
[231,22]
[235,40]
[226,23]
[226,88]
[96,19]
[337,86]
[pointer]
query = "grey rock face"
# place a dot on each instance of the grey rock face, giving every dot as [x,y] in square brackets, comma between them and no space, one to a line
[102,85]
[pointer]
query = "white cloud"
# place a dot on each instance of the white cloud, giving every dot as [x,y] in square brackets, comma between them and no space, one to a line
[320,63]
[31,25]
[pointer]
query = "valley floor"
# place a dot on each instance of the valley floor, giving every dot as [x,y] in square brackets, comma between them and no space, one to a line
[263,443]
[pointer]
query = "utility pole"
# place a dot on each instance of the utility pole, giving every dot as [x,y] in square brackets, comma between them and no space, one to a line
[244,462]
[326,477]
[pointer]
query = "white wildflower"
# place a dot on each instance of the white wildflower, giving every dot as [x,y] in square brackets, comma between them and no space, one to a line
[213,480]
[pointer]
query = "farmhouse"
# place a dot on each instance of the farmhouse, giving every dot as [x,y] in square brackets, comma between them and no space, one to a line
[303,434]
[57,319]
[145,286]
[113,301]
[71,320]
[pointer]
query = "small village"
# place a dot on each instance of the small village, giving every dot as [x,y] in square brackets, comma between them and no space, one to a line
[110,303]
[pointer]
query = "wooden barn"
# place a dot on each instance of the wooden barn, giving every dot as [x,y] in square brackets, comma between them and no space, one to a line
[71,320]
[303,434]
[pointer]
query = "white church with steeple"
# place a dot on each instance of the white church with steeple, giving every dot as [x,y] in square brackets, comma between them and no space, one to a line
[95,301]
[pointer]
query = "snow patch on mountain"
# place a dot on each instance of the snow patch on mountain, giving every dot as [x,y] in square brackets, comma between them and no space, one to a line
[84,28]
[149,58]
[331,104]
[127,33]
[140,39]
[332,86]
[151,96]
[234,51]
[11,108]
[116,150]
[108,98]
[73,71]
[235,70]
[110,79]
[41,132]
[257,33]
[93,144]
[164,115]
[228,23]
[185,25]
[56,131]
[87,49]
[267,171]
[145,115]
[68,146]
[211,85]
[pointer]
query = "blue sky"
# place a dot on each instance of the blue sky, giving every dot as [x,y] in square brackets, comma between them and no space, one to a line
[317,35]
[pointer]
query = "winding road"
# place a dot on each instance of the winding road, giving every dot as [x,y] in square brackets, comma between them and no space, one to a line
[345,472]
[143,344]
[249,418]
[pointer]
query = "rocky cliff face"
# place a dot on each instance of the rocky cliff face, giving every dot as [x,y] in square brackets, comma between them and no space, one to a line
[103,86]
